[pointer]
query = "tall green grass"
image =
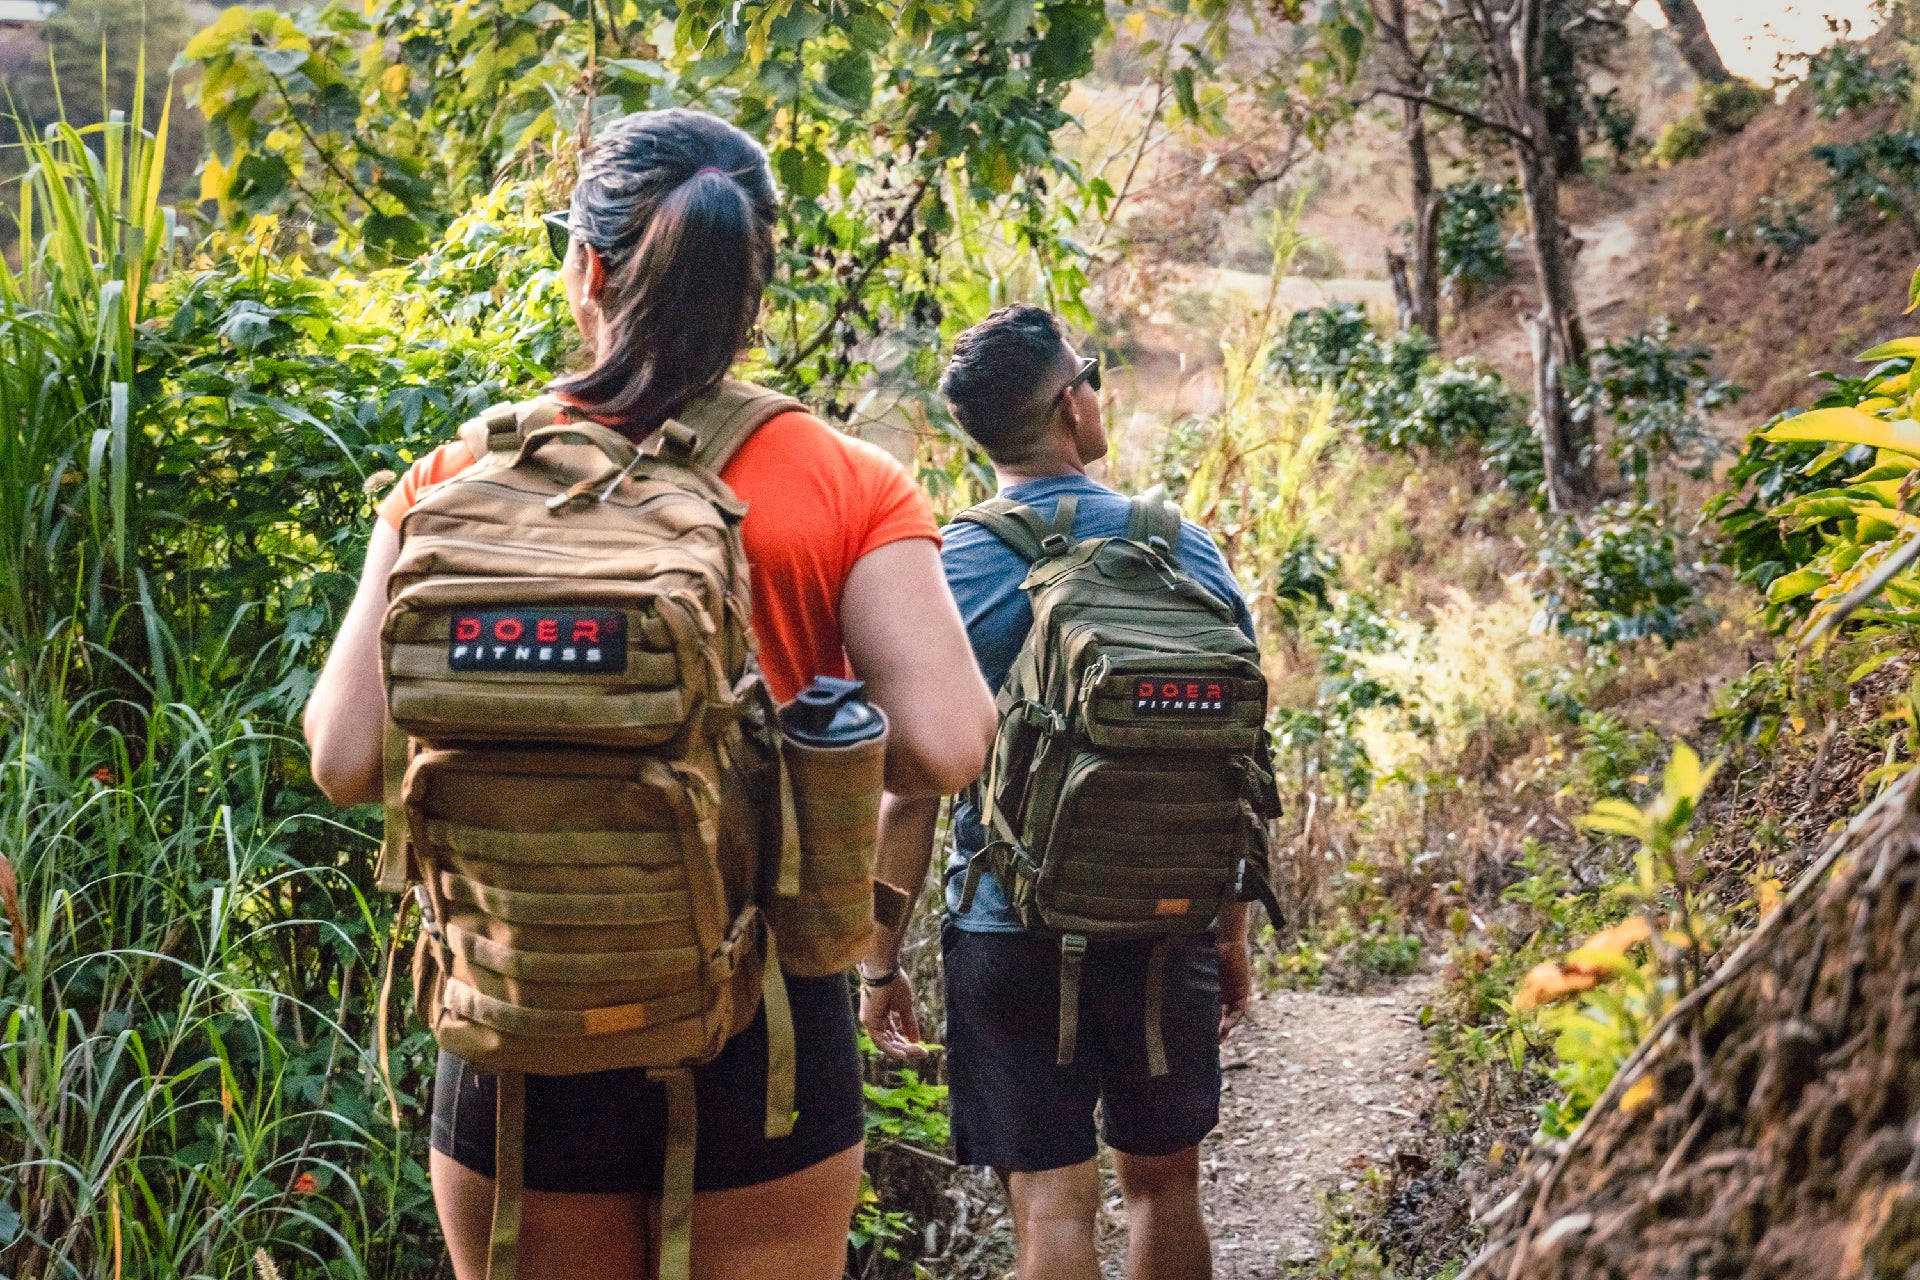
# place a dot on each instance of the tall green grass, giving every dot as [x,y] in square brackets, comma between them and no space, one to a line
[187,1086]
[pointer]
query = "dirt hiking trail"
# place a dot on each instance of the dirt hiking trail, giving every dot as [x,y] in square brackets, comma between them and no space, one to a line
[1319,1087]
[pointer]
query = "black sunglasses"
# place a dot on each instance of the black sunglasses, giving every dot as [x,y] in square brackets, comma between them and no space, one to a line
[559,234]
[1089,373]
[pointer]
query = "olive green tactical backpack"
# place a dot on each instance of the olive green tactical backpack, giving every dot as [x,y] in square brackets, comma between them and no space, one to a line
[1131,781]
[586,784]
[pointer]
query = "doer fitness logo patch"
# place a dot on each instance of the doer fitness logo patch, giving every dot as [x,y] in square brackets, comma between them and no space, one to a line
[590,640]
[1166,695]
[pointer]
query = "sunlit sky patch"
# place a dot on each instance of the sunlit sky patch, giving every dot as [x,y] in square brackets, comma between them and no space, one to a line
[1751,34]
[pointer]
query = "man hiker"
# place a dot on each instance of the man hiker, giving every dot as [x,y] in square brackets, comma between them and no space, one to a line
[1027,1070]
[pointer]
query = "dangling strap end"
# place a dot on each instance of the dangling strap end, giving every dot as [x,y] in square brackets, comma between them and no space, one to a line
[1073,954]
[971,884]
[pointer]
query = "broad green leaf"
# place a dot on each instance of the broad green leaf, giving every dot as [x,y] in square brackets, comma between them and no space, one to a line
[1872,665]
[1899,348]
[1793,585]
[1848,426]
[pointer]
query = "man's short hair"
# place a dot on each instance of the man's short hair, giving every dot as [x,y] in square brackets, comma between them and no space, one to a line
[998,382]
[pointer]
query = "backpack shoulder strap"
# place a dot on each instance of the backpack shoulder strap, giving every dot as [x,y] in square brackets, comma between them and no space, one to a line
[726,417]
[1026,532]
[501,428]
[1150,516]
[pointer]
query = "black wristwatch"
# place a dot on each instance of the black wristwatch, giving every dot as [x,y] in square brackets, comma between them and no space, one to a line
[880,981]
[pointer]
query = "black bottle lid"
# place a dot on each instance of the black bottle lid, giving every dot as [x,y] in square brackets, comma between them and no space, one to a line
[830,713]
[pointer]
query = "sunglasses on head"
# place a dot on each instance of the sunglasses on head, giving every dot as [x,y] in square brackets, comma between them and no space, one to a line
[1089,373]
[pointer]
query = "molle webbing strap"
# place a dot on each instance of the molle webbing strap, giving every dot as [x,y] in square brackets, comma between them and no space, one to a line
[726,417]
[781,1054]
[392,872]
[1149,517]
[1155,1000]
[1073,955]
[509,1155]
[383,1007]
[1255,886]
[788,883]
[676,1188]
[569,1024]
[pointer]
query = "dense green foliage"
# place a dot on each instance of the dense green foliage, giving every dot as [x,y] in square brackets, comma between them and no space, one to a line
[1475,216]
[1397,395]
[908,138]
[1657,397]
[1845,77]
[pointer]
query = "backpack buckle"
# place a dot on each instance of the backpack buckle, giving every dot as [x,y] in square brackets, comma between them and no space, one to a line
[1056,544]
[678,442]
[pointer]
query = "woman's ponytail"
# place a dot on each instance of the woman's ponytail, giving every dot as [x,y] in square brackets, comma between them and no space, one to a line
[680,206]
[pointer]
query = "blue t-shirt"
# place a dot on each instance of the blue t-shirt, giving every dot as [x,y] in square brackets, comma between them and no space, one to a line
[985,576]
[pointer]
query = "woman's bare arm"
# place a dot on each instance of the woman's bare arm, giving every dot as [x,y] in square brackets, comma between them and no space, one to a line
[905,639]
[346,716]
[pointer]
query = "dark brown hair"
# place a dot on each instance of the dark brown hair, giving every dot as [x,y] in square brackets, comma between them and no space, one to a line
[1002,381]
[680,206]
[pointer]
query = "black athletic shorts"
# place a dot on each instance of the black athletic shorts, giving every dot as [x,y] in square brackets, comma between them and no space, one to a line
[605,1132]
[1016,1109]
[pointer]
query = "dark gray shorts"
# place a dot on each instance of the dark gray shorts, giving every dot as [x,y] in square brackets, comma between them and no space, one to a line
[1017,1110]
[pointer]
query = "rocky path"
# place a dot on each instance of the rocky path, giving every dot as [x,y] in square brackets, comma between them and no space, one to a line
[1319,1088]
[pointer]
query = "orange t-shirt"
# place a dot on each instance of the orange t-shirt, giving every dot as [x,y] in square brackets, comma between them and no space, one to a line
[816,500]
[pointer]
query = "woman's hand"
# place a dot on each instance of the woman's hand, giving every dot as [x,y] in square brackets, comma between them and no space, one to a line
[346,716]
[886,1011]
[904,637]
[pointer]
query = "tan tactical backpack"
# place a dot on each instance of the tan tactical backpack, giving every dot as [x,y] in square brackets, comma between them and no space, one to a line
[587,784]
[1131,782]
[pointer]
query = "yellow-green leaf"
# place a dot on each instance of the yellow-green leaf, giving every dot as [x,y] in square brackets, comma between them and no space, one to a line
[1897,349]
[1849,426]
[1791,586]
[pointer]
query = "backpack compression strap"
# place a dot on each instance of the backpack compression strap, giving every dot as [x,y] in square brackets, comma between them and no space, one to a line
[1151,518]
[499,429]
[1025,531]
[726,417]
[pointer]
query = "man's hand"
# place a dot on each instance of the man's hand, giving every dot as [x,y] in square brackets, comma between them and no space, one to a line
[887,1013]
[1236,980]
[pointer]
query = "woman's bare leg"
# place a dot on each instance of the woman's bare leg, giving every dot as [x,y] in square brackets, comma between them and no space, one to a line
[793,1228]
[562,1237]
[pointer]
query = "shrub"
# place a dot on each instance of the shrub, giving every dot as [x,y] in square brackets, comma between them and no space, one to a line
[1759,548]
[1683,139]
[1621,581]
[1473,234]
[1877,176]
[1730,106]
[1321,345]
[1461,402]
[1618,123]
[1843,77]
[1657,396]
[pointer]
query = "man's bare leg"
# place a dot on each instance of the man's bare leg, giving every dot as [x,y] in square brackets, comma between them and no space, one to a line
[1166,1233]
[1053,1221]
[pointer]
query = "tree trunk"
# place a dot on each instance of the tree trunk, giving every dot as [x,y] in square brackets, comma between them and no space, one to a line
[1403,304]
[1426,223]
[1696,46]
[1559,339]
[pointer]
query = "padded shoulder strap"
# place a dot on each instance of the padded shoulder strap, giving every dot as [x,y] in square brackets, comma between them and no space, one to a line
[1151,516]
[726,417]
[501,428]
[1023,529]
